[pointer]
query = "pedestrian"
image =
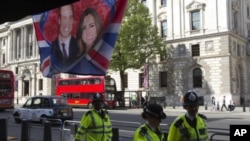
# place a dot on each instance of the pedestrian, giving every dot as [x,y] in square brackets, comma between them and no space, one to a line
[145,102]
[191,126]
[181,100]
[95,124]
[213,103]
[142,101]
[150,131]
[231,106]
[224,103]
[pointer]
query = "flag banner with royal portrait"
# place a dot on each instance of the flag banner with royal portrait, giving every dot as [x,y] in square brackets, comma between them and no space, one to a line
[78,38]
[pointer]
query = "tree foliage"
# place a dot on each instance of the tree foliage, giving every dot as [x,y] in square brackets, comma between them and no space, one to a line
[138,39]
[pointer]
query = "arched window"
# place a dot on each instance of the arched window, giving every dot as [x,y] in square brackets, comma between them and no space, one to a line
[197,78]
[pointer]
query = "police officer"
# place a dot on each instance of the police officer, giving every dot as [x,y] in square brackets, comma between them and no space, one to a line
[190,126]
[95,124]
[150,131]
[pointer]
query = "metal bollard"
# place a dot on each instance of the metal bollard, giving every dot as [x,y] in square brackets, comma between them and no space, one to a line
[47,131]
[205,105]
[115,136]
[73,128]
[3,130]
[218,106]
[25,130]
[165,136]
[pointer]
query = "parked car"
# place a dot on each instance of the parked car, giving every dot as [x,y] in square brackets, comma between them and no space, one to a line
[39,108]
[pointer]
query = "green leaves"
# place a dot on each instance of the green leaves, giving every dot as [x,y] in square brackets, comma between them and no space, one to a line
[138,39]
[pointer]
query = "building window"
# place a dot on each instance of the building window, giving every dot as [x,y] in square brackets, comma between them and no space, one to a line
[29,47]
[182,48]
[18,44]
[16,70]
[235,19]
[197,78]
[195,50]
[195,20]
[125,80]
[163,57]
[238,50]
[144,2]
[248,10]
[163,79]
[164,28]
[3,41]
[248,34]
[141,79]
[3,58]
[163,2]
[40,84]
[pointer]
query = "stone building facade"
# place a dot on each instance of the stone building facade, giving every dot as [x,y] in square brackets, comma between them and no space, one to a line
[19,53]
[207,43]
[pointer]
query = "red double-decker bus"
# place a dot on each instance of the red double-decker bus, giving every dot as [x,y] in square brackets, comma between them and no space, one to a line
[79,91]
[7,81]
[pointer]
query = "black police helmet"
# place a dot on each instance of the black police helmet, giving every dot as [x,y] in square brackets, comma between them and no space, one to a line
[97,97]
[155,110]
[190,98]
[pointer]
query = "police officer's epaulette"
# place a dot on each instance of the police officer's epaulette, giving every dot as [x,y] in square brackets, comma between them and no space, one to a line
[178,122]
[202,116]
[88,112]
[106,111]
[143,131]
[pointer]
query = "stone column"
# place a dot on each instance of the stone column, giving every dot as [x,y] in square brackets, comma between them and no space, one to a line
[13,41]
[8,50]
[34,44]
[24,45]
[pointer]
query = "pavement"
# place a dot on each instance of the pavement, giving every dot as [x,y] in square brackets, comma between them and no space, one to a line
[173,111]
[179,109]
[10,138]
[203,109]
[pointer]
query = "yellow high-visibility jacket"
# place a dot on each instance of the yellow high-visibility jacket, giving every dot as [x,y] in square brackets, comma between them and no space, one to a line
[181,130]
[144,133]
[95,126]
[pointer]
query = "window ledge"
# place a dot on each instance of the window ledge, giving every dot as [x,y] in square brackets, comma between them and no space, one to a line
[162,6]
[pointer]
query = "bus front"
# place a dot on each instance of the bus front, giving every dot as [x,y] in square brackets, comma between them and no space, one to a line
[110,98]
[6,90]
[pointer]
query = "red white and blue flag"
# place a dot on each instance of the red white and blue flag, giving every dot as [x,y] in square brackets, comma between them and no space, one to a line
[93,62]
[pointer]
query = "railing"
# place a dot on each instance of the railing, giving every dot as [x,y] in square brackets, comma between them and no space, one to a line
[68,128]
[219,134]
[29,129]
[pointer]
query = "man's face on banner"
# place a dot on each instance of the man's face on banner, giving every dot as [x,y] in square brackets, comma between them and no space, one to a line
[66,21]
[89,31]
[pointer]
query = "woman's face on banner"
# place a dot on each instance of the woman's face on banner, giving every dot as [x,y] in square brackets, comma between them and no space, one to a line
[89,31]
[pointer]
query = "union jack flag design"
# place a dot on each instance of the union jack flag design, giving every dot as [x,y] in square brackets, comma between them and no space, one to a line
[94,62]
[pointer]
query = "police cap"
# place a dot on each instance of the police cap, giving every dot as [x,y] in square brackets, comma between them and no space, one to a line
[190,98]
[97,97]
[155,110]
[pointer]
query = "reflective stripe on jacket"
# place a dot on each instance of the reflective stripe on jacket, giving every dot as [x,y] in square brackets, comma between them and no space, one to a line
[144,133]
[95,128]
[180,130]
